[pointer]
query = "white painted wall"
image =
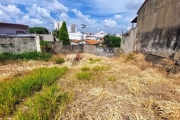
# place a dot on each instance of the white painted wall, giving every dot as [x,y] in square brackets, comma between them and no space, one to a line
[91,37]
[76,36]
[72,28]
[69,29]
[46,37]
[38,44]
[100,34]
[57,25]
[11,30]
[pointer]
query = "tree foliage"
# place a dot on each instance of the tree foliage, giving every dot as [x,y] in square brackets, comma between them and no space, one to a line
[56,33]
[63,34]
[112,41]
[38,30]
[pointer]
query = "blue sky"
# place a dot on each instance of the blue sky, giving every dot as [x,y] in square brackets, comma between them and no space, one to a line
[111,16]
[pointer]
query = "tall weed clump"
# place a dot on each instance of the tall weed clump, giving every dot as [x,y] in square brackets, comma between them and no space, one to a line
[45,105]
[12,92]
[25,56]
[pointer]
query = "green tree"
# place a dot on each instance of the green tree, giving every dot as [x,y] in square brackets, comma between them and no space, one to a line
[38,30]
[56,33]
[107,40]
[112,41]
[63,34]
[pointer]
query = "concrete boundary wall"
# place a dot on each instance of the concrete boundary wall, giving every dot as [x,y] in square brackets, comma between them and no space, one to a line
[129,39]
[58,47]
[18,44]
[101,51]
[159,28]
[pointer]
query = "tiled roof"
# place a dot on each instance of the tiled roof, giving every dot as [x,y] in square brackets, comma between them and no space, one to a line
[76,41]
[11,25]
[92,42]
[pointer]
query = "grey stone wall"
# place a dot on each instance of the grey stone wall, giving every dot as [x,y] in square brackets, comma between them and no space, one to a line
[159,28]
[128,40]
[17,44]
[101,51]
[72,49]
[56,46]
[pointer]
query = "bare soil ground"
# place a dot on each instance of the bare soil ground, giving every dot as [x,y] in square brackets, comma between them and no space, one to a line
[128,88]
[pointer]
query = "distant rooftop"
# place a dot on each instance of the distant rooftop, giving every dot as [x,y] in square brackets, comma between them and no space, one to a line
[92,42]
[12,25]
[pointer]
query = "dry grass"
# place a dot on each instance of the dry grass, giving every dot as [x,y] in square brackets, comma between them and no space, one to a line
[119,89]
[138,91]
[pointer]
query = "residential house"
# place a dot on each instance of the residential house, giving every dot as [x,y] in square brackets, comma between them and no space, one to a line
[90,37]
[101,34]
[12,29]
[76,36]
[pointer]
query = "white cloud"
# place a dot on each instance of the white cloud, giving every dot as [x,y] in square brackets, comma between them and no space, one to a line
[128,19]
[31,21]
[54,6]
[10,13]
[39,14]
[109,23]
[83,17]
[1,12]
[63,16]
[38,11]
[117,16]
[129,27]
[4,17]
[134,4]
[9,9]
[45,12]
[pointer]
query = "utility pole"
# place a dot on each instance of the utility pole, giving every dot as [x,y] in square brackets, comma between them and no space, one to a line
[82,39]
[83,27]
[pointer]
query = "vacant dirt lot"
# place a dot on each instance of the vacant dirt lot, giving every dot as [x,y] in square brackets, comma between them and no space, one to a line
[126,87]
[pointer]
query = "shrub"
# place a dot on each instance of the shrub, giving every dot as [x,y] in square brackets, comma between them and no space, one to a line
[85,68]
[25,56]
[112,78]
[92,61]
[84,75]
[98,68]
[129,57]
[60,61]
[45,45]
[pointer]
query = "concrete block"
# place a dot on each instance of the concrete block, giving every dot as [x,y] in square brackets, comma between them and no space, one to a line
[177,56]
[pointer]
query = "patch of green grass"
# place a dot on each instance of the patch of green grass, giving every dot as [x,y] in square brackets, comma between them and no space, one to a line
[129,57]
[85,69]
[12,92]
[98,68]
[112,78]
[45,105]
[92,61]
[60,61]
[25,56]
[84,75]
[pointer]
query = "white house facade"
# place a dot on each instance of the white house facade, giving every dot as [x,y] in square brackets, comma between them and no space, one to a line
[100,34]
[9,28]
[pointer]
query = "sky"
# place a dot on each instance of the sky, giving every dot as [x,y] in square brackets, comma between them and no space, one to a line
[111,16]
